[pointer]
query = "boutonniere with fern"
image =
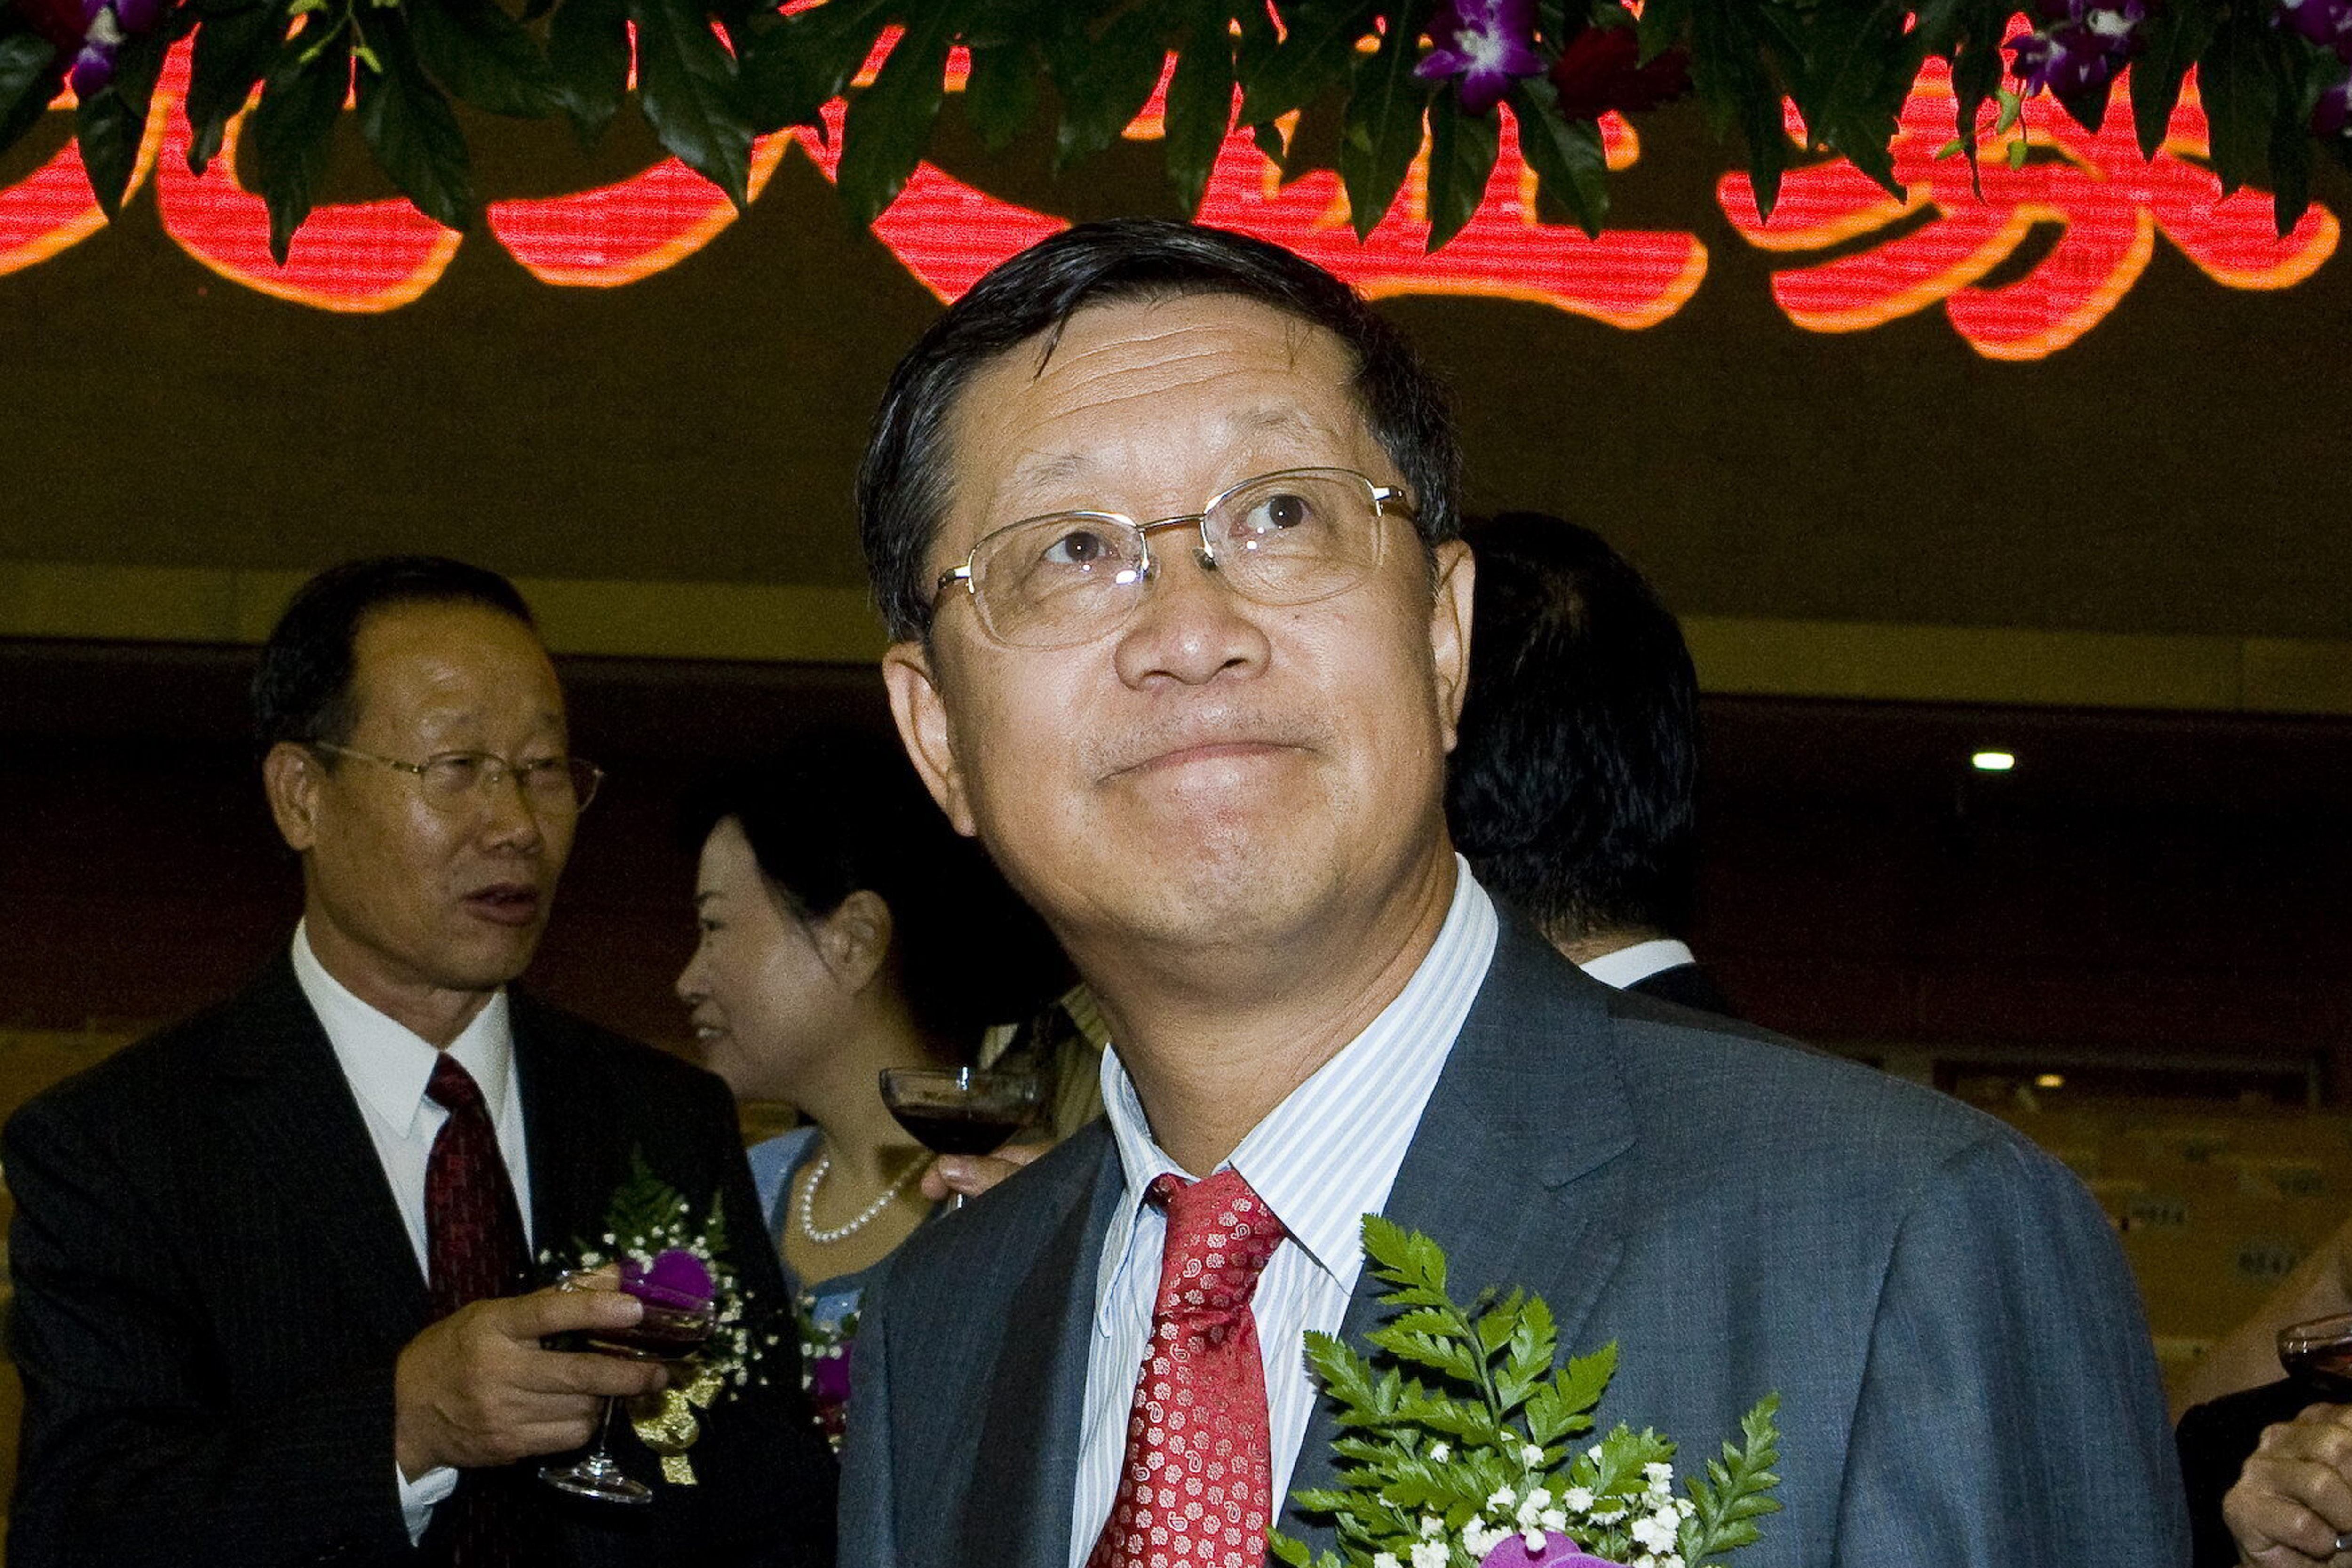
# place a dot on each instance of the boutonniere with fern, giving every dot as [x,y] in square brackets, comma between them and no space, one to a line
[1477,1457]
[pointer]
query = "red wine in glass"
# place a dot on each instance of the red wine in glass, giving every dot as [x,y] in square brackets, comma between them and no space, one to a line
[951,1131]
[2318,1354]
[963,1110]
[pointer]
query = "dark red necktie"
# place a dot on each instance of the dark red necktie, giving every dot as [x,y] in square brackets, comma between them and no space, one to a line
[473,1248]
[1195,1486]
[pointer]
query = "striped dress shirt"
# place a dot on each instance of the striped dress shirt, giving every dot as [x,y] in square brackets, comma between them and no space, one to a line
[1321,1159]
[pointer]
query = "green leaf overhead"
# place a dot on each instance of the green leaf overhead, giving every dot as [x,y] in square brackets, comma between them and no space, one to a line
[1461,152]
[1199,101]
[111,124]
[1002,93]
[411,129]
[686,89]
[1104,76]
[300,105]
[1381,128]
[889,122]
[477,52]
[233,52]
[588,50]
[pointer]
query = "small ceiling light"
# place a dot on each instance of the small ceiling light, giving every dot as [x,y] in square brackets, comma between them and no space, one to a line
[2050,1080]
[1993,762]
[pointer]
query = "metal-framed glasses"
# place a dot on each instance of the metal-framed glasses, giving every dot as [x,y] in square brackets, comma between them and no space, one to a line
[461,780]
[1280,539]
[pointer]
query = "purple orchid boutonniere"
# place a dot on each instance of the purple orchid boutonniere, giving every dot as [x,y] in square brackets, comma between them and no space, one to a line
[670,1259]
[1485,45]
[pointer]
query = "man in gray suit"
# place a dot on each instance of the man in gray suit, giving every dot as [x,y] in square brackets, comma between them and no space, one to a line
[1163,521]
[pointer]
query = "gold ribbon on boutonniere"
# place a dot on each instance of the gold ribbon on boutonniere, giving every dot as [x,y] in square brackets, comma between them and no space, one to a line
[665,1423]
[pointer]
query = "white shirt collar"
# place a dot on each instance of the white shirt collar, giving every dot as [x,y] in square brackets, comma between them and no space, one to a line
[386,1063]
[1630,965]
[1307,1159]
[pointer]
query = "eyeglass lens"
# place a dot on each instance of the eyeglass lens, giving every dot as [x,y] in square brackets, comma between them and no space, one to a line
[1285,538]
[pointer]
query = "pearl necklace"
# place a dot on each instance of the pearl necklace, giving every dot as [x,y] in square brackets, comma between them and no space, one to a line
[843,1232]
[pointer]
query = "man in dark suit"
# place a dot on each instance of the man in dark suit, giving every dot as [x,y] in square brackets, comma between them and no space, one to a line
[1572,792]
[273,1265]
[1163,521]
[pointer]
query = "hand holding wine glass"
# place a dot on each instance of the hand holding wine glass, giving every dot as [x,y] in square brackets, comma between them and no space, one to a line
[479,1388]
[679,1312]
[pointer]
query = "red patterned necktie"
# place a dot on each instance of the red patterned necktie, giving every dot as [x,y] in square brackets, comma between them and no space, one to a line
[1195,1487]
[473,1248]
[473,1231]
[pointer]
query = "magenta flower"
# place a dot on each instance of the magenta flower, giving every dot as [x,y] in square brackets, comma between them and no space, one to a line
[1485,45]
[1556,1552]
[2078,45]
[2327,23]
[675,1278]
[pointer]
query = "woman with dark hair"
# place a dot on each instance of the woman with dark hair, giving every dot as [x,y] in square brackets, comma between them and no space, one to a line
[846,930]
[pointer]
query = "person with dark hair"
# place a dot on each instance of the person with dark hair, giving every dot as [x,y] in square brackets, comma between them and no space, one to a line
[1571,790]
[1163,520]
[844,931]
[273,1265]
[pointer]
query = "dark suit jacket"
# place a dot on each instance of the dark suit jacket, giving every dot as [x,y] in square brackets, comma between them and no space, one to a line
[213,1282]
[1965,1375]
[2216,1441]
[1686,985]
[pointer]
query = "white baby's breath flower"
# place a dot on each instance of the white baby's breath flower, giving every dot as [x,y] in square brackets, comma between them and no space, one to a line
[1502,1498]
[1656,1533]
[1431,1525]
[1534,1538]
[1530,1454]
[1577,1498]
[1657,1473]
[1554,1518]
[1685,1507]
[1479,1538]
[1385,1560]
[1430,1554]
[1440,1452]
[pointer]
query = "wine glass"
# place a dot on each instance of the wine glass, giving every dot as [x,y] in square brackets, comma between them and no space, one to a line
[963,1110]
[674,1325]
[2318,1354]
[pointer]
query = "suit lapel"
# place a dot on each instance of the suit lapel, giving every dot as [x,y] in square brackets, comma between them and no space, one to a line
[311,1141]
[1016,1511]
[1508,1169]
[567,1121]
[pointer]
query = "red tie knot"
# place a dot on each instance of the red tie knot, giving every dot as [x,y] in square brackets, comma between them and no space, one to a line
[452,1088]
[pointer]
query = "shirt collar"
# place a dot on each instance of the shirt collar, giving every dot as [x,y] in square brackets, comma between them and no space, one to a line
[386,1063]
[1304,1160]
[1628,965]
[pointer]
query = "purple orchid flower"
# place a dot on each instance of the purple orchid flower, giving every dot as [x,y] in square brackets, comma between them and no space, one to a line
[1556,1552]
[2078,47]
[2327,23]
[1486,45]
[675,1277]
[105,26]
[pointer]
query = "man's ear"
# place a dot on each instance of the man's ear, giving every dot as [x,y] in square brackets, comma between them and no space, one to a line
[1449,631]
[290,777]
[855,939]
[921,715]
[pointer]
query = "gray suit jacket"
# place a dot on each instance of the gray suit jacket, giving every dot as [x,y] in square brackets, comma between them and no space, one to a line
[1964,1371]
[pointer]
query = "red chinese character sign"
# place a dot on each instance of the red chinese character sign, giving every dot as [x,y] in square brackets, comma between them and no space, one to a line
[376,256]
[2110,202]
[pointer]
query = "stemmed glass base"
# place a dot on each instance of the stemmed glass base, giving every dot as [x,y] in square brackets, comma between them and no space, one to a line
[599,1475]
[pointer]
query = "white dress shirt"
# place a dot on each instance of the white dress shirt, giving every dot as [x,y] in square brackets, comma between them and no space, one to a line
[1321,1159]
[1632,965]
[387,1066]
